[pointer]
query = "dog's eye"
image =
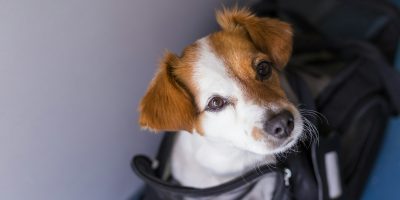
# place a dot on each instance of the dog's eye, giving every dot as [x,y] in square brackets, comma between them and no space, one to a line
[216,103]
[263,70]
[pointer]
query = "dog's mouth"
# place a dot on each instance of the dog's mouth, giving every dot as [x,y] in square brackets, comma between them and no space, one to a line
[275,143]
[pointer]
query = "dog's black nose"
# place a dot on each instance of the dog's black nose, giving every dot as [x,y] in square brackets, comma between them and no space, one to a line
[280,125]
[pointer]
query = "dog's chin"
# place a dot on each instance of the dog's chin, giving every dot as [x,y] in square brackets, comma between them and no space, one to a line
[283,146]
[272,146]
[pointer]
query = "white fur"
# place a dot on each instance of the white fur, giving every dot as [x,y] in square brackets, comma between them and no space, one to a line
[227,148]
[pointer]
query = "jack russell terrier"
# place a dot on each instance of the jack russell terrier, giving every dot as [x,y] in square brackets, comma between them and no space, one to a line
[223,97]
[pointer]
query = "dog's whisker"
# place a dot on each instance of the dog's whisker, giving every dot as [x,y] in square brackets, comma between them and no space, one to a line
[315,114]
[310,131]
[258,166]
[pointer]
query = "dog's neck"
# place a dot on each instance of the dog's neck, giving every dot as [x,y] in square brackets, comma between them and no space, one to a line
[200,162]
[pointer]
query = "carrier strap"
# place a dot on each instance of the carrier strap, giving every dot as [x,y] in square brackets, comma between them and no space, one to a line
[142,166]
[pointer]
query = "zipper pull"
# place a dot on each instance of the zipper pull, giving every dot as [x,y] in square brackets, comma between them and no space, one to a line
[155,164]
[287,175]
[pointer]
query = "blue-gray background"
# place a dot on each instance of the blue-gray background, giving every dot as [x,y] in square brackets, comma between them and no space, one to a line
[71,76]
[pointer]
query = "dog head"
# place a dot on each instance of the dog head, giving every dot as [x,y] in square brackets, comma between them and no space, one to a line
[226,86]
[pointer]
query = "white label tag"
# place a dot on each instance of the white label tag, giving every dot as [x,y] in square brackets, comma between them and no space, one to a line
[333,175]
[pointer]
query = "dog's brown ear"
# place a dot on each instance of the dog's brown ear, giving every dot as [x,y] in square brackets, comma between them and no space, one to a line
[166,105]
[271,36]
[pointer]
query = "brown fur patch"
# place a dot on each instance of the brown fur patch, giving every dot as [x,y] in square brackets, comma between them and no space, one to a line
[257,134]
[168,104]
[197,126]
[239,54]
[244,41]
[271,36]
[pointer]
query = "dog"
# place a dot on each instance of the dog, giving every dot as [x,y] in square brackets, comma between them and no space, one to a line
[224,99]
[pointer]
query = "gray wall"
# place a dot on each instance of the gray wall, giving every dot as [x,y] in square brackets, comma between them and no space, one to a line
[71,76]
